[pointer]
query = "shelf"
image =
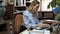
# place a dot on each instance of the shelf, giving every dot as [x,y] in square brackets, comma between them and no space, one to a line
[19,6]
[28,1]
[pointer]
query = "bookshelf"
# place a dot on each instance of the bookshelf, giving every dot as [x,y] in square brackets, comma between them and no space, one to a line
[19,3]
[28,2]
[22,3]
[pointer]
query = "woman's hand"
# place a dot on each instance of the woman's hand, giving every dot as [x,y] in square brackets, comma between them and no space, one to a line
[42,25]
[56,23]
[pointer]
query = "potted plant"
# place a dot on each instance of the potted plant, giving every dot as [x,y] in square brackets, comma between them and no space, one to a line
[55,3]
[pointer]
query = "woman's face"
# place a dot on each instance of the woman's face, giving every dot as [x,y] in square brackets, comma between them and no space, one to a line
[35,8]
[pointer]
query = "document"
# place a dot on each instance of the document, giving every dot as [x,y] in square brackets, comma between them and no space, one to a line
[36,32]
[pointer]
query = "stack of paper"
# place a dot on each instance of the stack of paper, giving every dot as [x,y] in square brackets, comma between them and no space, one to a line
[36,32]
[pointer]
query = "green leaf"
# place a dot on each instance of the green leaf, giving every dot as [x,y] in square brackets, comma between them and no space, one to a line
[57,17]
[59,9]
[48,6]
[53,5]
[58,1]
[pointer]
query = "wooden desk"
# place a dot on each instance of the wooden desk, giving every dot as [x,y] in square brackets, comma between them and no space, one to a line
[51,22]
[45,21]
[48,21]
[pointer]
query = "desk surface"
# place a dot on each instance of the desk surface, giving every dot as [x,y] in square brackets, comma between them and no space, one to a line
[49,21]
[45,21]
[26,32]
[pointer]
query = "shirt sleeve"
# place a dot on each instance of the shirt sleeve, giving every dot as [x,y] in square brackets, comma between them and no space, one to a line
[36,19]
[27,22]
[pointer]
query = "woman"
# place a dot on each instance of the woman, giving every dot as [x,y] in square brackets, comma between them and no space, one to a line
[30,19]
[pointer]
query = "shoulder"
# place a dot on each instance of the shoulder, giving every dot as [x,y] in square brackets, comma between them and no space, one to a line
[26,12]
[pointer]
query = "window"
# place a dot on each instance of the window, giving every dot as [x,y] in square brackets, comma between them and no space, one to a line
[44,4]
[19,2]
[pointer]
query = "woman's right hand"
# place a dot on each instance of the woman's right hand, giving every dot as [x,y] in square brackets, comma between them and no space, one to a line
[42,25]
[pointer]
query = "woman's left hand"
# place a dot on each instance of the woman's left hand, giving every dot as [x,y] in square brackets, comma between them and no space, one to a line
[42,25]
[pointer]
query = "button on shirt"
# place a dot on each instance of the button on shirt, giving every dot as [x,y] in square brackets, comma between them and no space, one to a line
[28,20]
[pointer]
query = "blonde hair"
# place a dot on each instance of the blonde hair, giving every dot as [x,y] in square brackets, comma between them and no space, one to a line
[32,4]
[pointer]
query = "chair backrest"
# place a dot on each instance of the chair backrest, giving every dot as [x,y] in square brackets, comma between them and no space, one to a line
[18,22]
